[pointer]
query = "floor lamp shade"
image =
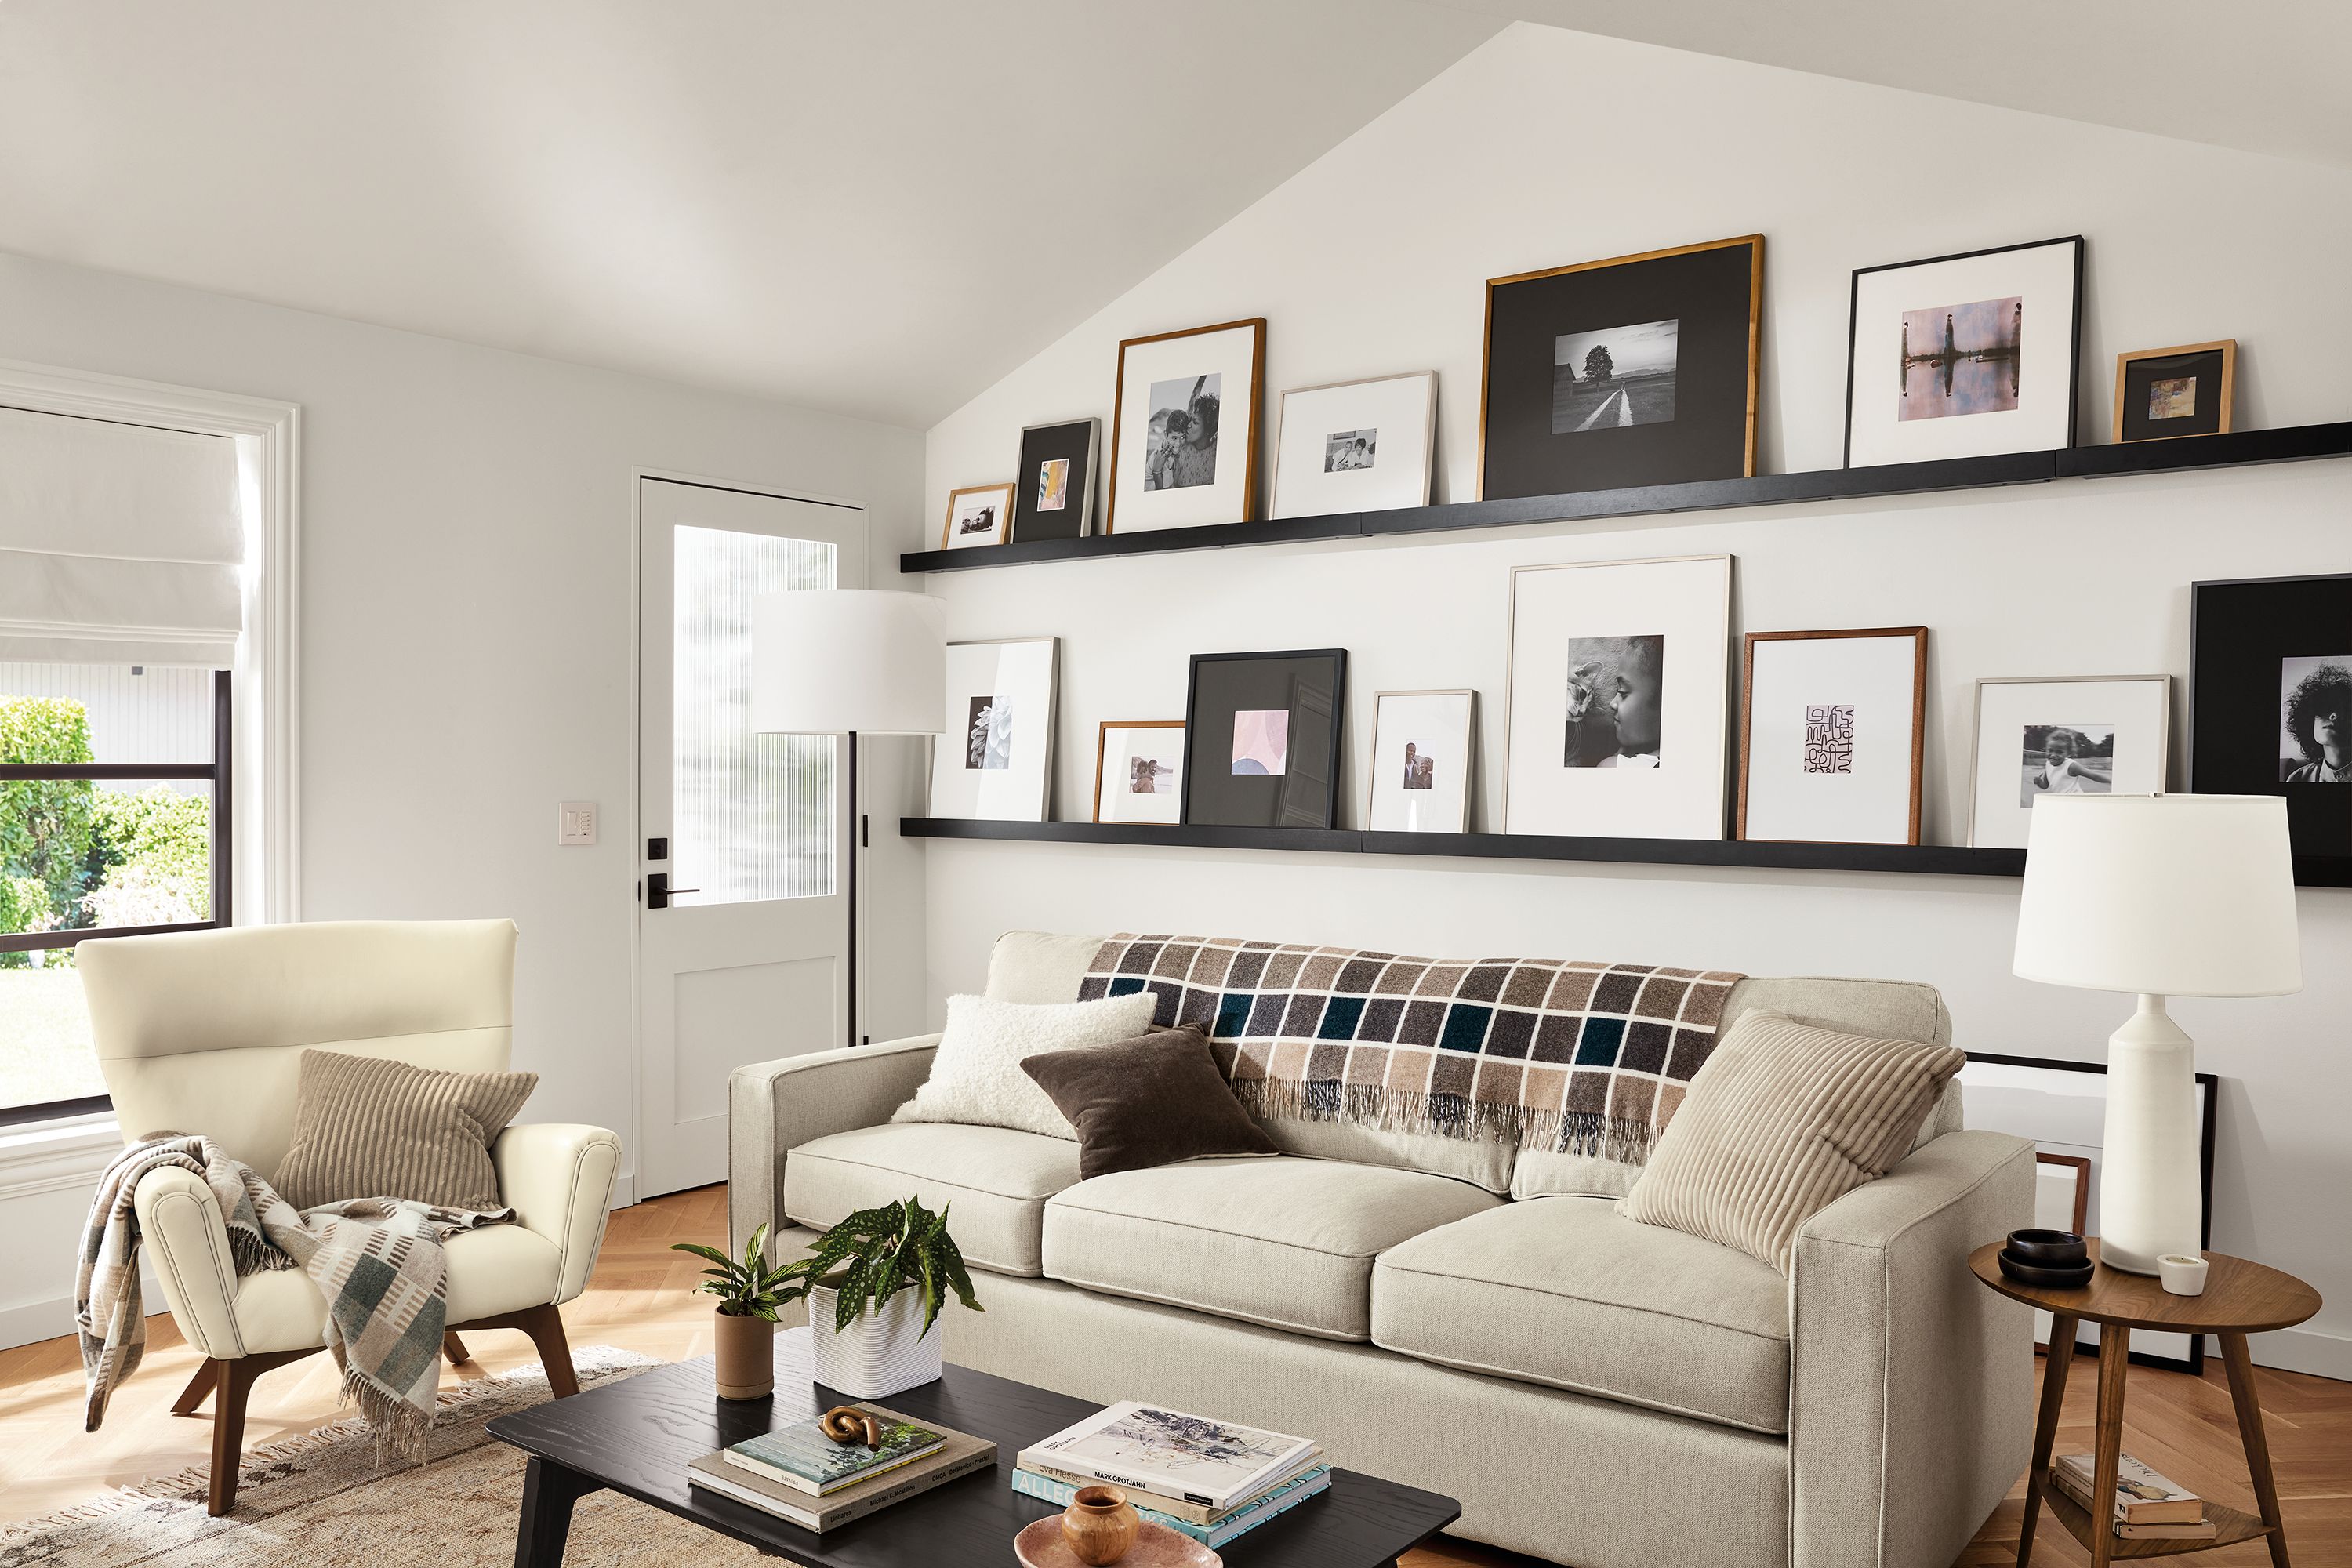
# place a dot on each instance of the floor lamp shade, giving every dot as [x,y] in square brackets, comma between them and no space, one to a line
[843,660]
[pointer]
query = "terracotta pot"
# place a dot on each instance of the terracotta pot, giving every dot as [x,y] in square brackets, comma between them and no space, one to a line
[1100,1525]
[746,1356]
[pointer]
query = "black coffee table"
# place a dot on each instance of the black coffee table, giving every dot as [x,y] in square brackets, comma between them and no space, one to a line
[636,1436]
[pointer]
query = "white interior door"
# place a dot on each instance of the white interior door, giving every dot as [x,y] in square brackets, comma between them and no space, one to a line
[750,832]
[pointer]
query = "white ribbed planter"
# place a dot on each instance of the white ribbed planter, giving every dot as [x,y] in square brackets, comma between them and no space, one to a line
[879,1354]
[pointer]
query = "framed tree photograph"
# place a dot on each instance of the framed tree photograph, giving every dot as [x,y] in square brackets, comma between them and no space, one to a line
[1424,750]
[977,514]
[1054,496]
[994,759]
[1356,446]
[1832,729]
[2042,735]
[1262,732]
[1184,427]
[2270,699]
[2187,391]
[1965,355]
[1640,369]
[1140,771]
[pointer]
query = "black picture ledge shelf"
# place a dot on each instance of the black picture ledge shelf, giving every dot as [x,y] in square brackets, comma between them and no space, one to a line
[2237,449]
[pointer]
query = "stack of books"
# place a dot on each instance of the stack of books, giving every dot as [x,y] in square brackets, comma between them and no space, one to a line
[2146,1506]
[799,1474]
[1213,1480]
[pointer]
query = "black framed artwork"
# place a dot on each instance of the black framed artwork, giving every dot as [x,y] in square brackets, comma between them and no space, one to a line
[1636,371]
[1054,492]
[2270,699]
[2186,391]
[1262,735]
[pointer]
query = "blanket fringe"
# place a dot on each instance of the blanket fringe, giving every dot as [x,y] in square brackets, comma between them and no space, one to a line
[1586,1133]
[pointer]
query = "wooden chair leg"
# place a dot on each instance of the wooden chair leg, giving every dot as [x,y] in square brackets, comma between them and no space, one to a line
[207,1373]
[233,1382]
[545,1327]
[455,1348]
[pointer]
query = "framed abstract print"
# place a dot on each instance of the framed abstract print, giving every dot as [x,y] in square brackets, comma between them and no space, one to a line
[2186,391]
[2270,699]
[1054,496]
[977,514]
[1184,429]
[1355,446]
[2047,735]
[1424,748]
[1262,732]
[995,758]
[1140,771]
[1612,724]
[1832,726]
[1964,356]
[1636,371]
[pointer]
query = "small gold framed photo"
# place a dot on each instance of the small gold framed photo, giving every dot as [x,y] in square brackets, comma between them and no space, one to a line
[2186,391]
[977,514]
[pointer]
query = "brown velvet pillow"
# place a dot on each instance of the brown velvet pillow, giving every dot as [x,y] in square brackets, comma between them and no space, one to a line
[1151,1101]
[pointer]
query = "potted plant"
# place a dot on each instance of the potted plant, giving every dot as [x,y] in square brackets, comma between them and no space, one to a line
[874,1284]
[744,1328]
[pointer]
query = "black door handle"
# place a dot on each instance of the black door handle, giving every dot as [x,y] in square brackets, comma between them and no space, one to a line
[658,892]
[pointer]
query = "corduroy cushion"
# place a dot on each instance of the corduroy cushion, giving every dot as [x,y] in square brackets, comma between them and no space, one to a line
[1781,1122]
[1151,1101]
[368,1127]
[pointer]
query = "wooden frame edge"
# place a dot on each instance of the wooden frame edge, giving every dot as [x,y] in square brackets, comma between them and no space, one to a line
[1004,527]
[1257,410]
[1102,740]
[1918,719]
[2226,347]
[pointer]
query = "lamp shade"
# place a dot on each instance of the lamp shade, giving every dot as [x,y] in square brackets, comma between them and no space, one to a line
[828,662]
[2173,895]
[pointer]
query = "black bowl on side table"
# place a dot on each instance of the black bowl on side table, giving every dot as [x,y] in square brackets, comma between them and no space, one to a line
[2052,1259]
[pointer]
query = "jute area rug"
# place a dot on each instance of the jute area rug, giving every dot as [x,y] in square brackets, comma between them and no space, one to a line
[322,1498]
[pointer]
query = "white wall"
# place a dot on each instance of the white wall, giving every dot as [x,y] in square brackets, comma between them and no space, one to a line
[1547,147]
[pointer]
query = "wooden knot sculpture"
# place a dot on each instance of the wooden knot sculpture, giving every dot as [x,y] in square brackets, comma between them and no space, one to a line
[846,1423]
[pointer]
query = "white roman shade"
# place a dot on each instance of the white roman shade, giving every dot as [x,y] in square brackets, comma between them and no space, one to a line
[119,543]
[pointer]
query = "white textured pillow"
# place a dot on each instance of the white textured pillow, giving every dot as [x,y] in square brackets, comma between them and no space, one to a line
[976,1075]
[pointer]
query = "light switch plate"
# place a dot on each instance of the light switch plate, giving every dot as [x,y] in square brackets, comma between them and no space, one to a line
[576,823]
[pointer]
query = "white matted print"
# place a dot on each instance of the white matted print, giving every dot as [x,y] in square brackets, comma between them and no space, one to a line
[994,759]
[1423,743]
[1355,446]
[2039,736]
[977,514]
[1614,720]
[1140,771]
[1185,434]
[1830,728]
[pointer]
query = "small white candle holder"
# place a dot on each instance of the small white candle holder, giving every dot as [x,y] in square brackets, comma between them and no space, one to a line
[2181,1274]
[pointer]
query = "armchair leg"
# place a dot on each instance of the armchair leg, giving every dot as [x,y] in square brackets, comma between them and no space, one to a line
[455,1348]
[545,1327]
[207,1373]
[232,1381]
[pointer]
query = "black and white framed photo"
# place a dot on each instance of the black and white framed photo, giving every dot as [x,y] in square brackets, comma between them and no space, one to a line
[1140,771]
[2270,699]
[994,759]
[1262,735]
[1184,429]
[1966,356]
[977,514]
[1424,746]
[1053,497]
[2044,735]
[1355,446]
[2186,391]
[1832,730]
[1613,721]
[1640,369]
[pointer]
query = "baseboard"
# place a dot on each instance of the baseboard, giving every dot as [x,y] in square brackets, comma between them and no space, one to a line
[2310,1351]
[624,1190]
[36,1320]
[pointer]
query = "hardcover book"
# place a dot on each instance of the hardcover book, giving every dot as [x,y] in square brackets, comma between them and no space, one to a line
[802,1457]
[959,1455]
[2142,1496]
[1197,1513]
[1241,1522]
[1151,1449]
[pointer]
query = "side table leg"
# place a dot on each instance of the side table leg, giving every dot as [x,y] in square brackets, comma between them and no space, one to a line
[2114,1355]
[2045,1427]
[549,1490]
[2258,1448]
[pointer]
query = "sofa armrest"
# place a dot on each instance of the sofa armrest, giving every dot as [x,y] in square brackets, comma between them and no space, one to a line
[558,1178]
[183,1234]
[1911,1385]
[774,1107]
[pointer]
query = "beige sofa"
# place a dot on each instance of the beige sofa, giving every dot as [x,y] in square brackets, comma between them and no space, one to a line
[1595,1391]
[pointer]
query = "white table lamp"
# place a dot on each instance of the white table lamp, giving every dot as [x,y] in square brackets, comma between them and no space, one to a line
[2176,895]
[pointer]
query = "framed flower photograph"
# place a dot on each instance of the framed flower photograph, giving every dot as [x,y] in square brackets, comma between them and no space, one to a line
[1613,721]
[1424,748]
[1640,369]
[1966,356]
[1262,733]
[2187,391]
[977,514]
[1832,729]
[1184,427]
[994,759]
[2270,699]
[2044,735]
[1355,446]
[1140,771]
[1054,496]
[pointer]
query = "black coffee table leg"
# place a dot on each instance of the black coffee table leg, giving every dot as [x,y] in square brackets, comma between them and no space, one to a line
[549,1490]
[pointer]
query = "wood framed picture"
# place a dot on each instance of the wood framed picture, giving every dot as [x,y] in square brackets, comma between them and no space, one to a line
[1262,732]
[1184,427]
[1140,771]
[977,514]
[1355,446]
[1832,730]
[2044,735]
[2187,391]
[1966,356]
[1613,721]
[1424,752]
[1640,369]
[1053,497]
[995,758]
[2270,699]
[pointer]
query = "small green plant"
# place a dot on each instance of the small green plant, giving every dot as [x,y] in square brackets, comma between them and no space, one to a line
[745,1289]
[875,1254]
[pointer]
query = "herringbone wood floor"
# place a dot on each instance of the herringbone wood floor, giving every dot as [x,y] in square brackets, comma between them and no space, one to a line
[640,1300]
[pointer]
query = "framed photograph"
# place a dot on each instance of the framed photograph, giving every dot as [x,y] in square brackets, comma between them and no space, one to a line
[1613,721]
[1640,369]
[995,760]
[1424,745]
[1140,771]
[1184,429]
[1963,356]
[977,514]
[2270,699]
[1831,727]
[1355,446]
[1263,735]
[2044,735]
[1054,496]
[2187,391]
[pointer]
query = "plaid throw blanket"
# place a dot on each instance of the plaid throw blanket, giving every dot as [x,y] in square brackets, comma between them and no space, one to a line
[1583,1058]
[377,1261]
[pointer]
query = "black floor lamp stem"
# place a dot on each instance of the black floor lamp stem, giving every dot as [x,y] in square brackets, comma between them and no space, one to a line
[856,840]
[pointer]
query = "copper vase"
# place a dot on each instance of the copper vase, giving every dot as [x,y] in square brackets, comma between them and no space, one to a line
[745,1356]
[1100,1525]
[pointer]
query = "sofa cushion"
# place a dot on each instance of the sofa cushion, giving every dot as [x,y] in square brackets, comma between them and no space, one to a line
[1567,1293]
[1270,1239]
[997,1178]
[497,1269]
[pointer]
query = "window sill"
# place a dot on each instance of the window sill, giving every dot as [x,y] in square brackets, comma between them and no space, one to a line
[50,1156]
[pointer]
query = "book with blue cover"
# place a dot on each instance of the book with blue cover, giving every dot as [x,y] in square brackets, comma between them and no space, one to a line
[802,1457]
[1241,1522]
[1217,1465]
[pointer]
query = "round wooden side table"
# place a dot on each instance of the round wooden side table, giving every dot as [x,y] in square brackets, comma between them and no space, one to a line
[2241,1298]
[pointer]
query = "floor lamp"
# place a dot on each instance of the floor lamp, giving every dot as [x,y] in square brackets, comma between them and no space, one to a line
[849,661]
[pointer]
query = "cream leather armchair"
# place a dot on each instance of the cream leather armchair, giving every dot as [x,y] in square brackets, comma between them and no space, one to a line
[204,1032]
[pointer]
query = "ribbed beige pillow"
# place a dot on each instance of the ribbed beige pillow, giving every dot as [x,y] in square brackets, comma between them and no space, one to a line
[368,1127]
[1780,1121]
